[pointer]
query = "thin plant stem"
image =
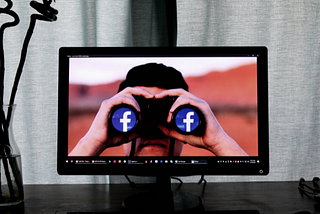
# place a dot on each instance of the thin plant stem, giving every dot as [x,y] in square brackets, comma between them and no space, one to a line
[16,21]
[33,19]
[22,59]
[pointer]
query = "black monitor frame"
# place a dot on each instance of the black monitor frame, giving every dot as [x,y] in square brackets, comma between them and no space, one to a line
[257,165]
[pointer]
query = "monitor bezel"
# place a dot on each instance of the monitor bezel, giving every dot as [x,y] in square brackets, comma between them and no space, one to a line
[262,168]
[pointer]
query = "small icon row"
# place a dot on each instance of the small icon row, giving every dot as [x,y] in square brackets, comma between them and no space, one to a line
[252,161]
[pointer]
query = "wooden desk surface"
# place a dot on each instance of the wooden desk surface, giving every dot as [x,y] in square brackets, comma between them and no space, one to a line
[267,197]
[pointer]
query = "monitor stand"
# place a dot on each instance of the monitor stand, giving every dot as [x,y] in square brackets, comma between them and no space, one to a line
[162,199]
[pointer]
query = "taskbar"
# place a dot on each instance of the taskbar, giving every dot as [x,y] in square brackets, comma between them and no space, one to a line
[181,161]
[134,161]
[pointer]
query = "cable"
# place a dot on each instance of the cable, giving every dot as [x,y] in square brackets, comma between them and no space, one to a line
[133,148]
[131,183]
[309,190]
[171,147]
[202,180]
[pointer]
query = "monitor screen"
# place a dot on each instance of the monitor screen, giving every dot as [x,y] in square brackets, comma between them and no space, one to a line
[175,111]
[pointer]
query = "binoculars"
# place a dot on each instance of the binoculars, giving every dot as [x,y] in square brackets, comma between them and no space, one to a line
[186,119]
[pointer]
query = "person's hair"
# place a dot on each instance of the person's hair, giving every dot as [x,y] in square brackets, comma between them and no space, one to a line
[154,75]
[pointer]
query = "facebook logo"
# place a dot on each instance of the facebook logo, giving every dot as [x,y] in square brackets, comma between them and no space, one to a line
[187,120]
[123,119]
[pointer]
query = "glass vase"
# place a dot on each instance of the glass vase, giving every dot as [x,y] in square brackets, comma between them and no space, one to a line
[11,192]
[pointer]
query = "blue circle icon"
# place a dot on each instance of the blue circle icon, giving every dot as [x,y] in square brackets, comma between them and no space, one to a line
[187,120]
[124,119]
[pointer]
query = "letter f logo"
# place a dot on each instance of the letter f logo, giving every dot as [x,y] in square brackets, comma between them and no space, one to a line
[125,120]
[188,121]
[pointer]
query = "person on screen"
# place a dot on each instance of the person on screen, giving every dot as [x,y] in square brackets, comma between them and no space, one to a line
[155,81]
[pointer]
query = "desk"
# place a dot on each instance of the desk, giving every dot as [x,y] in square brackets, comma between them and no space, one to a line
[267,197]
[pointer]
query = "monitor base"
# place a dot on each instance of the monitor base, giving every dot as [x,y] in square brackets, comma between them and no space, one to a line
[162,199]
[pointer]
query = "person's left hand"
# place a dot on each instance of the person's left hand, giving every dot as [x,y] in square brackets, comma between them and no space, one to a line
[214,138]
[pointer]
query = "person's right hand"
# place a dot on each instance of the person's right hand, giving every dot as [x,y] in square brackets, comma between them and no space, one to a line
[99,137]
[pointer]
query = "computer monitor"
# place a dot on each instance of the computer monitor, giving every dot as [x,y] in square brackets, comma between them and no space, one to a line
[157,111]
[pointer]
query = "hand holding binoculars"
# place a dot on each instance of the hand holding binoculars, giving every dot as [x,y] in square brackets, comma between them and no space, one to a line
[186,119]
